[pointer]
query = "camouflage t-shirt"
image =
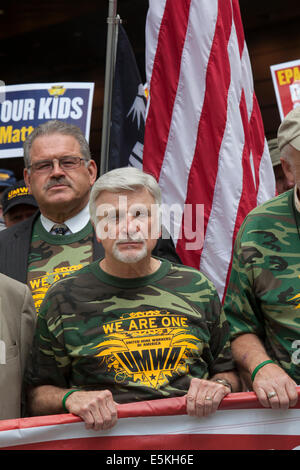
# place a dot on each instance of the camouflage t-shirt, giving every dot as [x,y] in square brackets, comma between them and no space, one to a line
[263,295]
[141,338]
[53,257]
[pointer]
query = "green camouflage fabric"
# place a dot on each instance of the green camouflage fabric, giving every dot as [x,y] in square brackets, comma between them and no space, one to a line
[52,257]
[263,295]
[140,338]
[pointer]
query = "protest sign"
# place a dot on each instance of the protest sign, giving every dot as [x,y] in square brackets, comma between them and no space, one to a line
[286,81]
[24,107]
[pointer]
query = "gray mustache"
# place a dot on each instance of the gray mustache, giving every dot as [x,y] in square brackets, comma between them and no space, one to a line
[128,240]
[54,181]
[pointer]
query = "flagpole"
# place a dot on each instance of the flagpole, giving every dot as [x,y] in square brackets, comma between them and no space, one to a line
[113,21]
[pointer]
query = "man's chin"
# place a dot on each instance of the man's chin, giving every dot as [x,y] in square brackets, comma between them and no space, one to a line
[60,195]
[130,255]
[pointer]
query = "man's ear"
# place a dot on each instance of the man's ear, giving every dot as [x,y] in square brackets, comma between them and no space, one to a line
[97,238]
[96,234]
[26,176]
[92,169]
[287,170]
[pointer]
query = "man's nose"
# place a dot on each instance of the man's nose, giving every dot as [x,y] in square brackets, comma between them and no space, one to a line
[133,225]
[56,168]
[129,225]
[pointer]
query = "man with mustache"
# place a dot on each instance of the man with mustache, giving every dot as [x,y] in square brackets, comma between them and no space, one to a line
[132,326]
[59,239]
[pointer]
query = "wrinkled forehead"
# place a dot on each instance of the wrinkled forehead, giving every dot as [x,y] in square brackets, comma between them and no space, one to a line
[52,145]
[125,198]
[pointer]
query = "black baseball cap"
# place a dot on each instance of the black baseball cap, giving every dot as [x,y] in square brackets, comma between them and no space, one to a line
[17,194]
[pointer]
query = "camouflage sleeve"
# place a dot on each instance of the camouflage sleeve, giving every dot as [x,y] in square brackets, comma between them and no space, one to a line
[241,308]
[49,363]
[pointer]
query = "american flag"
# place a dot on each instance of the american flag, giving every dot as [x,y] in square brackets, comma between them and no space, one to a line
[240,423]
[204,137]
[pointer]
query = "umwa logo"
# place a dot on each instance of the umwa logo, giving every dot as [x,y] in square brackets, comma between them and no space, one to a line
[147,347]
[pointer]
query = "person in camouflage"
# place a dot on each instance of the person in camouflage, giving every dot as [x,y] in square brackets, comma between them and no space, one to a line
[263,297]
[131,326]
[59,172]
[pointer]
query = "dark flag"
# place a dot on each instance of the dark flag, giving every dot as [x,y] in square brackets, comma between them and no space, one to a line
[128,108]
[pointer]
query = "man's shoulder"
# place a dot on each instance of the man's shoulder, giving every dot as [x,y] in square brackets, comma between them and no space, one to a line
[269,213]
[183,274]
[278,204]
[14,293]
[9,232]
[16,229]
[9,284]
[84,277]
[186,270]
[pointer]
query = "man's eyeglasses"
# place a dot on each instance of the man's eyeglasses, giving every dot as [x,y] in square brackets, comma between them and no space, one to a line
[65,163]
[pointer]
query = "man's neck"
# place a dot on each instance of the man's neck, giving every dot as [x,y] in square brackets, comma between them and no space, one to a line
[75,223]
[142,268]
[61,216]
[61,212]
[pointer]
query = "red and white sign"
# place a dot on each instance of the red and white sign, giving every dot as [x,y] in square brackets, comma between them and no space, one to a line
[286,81]
[240,423]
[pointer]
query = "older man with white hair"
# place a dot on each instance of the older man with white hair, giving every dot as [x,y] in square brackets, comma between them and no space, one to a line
[130,326]
[59,238]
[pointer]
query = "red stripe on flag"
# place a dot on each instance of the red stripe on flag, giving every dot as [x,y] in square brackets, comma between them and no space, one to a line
[231,434]
[238,25]
[248,195]
[211,128]
[164,81]
[254,129]
[158,407]
[170,442]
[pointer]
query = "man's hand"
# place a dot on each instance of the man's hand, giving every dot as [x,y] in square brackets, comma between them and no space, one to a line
[97,408]
[204,397]
[274,388]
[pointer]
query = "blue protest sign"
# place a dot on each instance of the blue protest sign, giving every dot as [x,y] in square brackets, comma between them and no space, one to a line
[24,107]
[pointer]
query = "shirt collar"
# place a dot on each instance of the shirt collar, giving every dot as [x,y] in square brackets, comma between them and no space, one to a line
[75,224]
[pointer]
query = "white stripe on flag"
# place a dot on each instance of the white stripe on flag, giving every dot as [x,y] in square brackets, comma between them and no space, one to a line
[267,184]
[153,21]
[235,422]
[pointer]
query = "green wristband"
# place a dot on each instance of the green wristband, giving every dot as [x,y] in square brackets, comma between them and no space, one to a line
[269,361]
[66,396]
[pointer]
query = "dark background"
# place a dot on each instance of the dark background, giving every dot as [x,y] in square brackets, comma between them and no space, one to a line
[54,41]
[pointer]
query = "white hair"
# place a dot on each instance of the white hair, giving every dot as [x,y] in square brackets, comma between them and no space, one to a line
[123,179]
